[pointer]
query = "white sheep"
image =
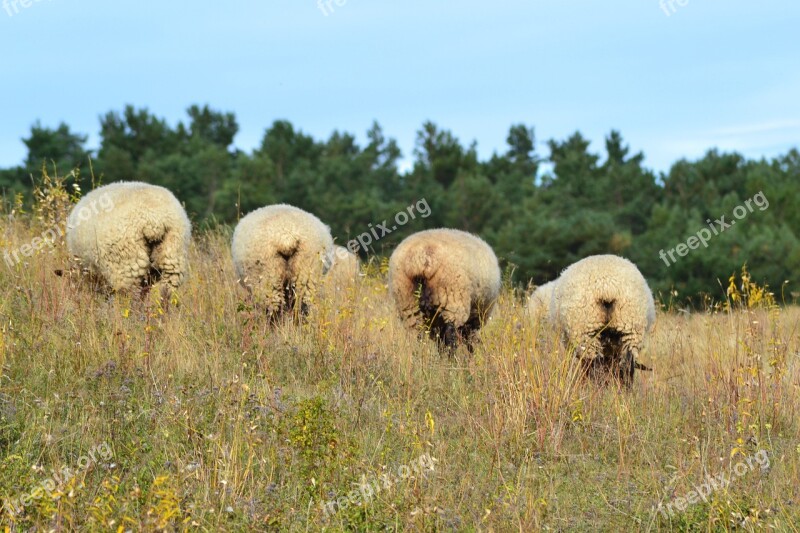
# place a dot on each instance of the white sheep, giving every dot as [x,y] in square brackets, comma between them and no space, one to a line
[604,307]
[131,235]
[345,268]
[281,253]
[446,281]
[539,301]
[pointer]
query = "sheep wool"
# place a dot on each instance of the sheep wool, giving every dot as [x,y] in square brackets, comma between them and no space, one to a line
[345,267]
[281,253]
[605,309]
[445,280]
[131,235]
[539,301]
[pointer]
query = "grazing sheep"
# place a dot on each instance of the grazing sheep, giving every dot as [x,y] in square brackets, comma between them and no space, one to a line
[281,253]
[445,280]
[605,308]
[539,300]
[345,267]
[131,235]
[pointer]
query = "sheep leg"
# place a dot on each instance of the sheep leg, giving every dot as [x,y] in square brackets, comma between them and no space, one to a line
[453,312]
[470,329]
[625,369]
[450,338]
[596,368]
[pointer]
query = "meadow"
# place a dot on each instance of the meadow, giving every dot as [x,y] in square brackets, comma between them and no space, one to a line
[201,416]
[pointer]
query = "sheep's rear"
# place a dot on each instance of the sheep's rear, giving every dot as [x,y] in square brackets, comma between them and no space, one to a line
[445,282]
[280,253]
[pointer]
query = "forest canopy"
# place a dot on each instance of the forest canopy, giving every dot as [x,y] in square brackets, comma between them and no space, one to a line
[540,212]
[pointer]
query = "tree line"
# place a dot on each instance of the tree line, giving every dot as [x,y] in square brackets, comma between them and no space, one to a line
[540,212]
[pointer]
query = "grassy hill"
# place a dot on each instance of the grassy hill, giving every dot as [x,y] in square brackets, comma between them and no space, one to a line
[119,414]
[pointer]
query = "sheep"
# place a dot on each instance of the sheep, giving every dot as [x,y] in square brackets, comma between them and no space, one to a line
[604,308]
[444,280]
[345,267]
[281,253]
[138,237]
[539,301]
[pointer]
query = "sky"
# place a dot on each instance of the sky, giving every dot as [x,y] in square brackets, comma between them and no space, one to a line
[675,77]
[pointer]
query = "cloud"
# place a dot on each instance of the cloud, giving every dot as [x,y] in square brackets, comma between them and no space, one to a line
[759,127]
[764,138]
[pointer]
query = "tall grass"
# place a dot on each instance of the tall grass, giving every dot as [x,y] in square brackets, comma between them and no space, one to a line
[218,421]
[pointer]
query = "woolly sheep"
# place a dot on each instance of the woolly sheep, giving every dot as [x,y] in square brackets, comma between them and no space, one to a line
[604,307]
[445,280]
[131,235]
[345,267]
[281,253]
[539,300]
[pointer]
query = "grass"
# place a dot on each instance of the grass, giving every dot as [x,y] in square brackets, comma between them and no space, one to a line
[216,421]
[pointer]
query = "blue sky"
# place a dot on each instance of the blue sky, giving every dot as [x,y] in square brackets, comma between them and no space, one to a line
[711,73]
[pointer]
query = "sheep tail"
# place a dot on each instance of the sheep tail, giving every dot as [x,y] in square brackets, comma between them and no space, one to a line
[606,307]
[423,261]
[286,245]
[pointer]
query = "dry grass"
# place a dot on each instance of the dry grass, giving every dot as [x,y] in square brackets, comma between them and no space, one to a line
[218,421]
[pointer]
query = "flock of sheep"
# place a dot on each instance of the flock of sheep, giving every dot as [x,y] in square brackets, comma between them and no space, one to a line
[443,281]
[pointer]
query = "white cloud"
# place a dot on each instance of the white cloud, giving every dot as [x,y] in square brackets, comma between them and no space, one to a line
[759,127]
